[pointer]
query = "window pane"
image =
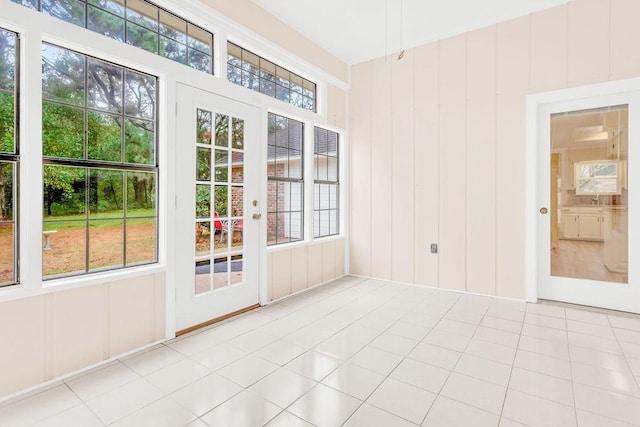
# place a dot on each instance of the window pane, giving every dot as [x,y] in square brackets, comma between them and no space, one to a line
[237,137]
[282,93]
[6,191]
[7,119]
[237,168]
[237,201]
[66,250]
[105,86]
[104,137]
[267,70]
[203,201]
[173,27]
[221,200]
[268,88]
[141,241]
[64,191]
[203,277]
[234,51]
[282,77]
[142,37]
[204,127]
[250,80]
[222,130]
[234,74]
[106,243]
[141,194]
[332,168]
[203,164]
[222,174]
[203,238]
[143,13]
[7,254]
[200,39]
[296,83]
[62,131]
[68,10]
[250,62]
[105,23]
[63,73]
[32,4]
[309,89]
[114,6]
[173,50]
[199,61]
[7,60]
[139,142]
[140,95]
[106,194]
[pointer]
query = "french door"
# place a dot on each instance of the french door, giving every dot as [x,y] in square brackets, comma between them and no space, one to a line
[588,199]
[217,206]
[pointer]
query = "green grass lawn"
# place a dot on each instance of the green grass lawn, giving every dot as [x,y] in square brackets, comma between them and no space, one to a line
[102,219]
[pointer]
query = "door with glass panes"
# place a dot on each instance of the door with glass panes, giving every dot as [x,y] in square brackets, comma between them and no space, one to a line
[218,214]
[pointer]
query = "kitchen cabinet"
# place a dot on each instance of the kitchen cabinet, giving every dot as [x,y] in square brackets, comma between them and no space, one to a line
[616,240]
[582,223]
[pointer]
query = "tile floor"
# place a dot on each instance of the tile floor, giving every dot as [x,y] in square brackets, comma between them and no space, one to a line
[362,352]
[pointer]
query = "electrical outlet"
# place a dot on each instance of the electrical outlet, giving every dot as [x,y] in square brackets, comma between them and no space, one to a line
[434,248]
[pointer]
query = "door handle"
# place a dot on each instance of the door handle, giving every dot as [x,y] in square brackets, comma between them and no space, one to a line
[257,216]
[544,210]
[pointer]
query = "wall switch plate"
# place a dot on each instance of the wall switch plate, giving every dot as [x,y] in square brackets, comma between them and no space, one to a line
[434,248]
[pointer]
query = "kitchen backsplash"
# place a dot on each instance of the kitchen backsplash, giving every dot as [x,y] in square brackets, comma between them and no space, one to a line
[570,198]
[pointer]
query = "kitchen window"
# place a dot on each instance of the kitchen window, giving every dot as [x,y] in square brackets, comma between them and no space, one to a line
[597,177]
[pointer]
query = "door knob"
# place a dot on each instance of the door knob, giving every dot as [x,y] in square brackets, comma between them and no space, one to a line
[544,210]
[256,217]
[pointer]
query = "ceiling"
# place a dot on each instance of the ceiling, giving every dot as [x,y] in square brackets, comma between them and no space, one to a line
[355,30]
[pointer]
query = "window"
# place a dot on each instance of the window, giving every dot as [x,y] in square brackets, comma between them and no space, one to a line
[326,183]
[100,167]
[285,186]
[599,177]
[8,158]
[219,200]
[256,73]
[138,23]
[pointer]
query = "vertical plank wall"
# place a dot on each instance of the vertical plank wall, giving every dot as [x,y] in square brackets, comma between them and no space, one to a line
[438,142]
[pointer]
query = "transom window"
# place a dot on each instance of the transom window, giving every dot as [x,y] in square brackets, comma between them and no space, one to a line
[326,183]
[100,164]
[256,73]
[8,158]
[285,186]
[138,23]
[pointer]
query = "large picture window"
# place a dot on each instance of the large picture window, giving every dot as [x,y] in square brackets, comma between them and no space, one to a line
[249,70]
[285,187]
[8,158]
[326,183]
[100,166]
[138,23]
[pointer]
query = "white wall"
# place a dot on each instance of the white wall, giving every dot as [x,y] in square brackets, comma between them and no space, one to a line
[438,142]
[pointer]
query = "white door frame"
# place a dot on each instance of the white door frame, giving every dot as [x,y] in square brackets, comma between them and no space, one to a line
[539,105]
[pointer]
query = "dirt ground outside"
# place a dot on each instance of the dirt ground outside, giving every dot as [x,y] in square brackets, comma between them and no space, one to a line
[106,245]
[6,255]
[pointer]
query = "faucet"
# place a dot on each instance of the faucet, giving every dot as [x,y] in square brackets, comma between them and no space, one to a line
[596,201]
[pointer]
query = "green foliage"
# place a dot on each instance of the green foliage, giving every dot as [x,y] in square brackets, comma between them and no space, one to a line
[203,201]
[7,119]
[62,131]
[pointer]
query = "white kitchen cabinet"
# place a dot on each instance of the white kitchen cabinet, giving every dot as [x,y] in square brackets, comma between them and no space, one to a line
[616,240]
[569,224]
[582,223]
